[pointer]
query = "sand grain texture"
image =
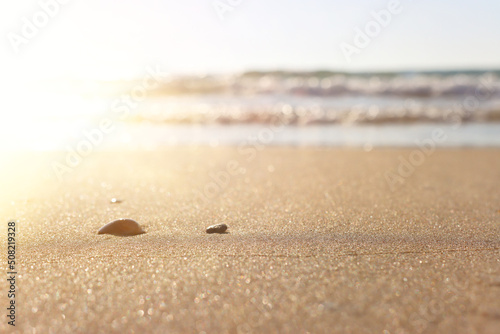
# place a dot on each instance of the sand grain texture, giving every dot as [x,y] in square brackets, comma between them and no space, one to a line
[319,243]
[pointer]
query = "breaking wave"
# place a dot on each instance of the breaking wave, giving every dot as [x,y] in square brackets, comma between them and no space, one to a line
[325,97]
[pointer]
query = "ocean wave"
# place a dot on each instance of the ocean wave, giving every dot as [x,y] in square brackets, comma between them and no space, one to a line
[423,84]
[325,97]
[399,111]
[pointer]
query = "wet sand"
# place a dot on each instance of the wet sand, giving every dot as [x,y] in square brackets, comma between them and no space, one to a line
[318,242]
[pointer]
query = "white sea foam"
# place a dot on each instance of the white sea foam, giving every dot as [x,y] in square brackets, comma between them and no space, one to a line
[324,97]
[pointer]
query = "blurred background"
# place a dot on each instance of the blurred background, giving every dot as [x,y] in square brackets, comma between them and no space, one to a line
[98,75]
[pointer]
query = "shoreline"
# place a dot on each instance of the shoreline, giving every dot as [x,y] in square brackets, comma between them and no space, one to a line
[157,136]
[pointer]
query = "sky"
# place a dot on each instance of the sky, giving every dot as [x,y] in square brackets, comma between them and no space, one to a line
[120,38]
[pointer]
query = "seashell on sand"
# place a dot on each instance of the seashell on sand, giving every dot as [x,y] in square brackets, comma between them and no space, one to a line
[115,200]
[218,228]
[121,227]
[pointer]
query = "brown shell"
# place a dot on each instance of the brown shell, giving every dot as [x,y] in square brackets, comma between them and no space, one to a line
[121,227]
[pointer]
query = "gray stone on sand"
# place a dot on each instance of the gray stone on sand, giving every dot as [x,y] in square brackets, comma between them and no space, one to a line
[121,227]
[218,228]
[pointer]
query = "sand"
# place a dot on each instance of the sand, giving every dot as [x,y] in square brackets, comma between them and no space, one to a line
[318,242]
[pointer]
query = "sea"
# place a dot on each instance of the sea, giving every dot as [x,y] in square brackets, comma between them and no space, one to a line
[291,108]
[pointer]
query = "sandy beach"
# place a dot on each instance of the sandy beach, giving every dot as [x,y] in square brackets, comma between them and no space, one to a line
[319,242]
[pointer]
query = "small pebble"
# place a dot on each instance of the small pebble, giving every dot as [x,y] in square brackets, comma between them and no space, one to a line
[218,228]
[121,227]
[115,201]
